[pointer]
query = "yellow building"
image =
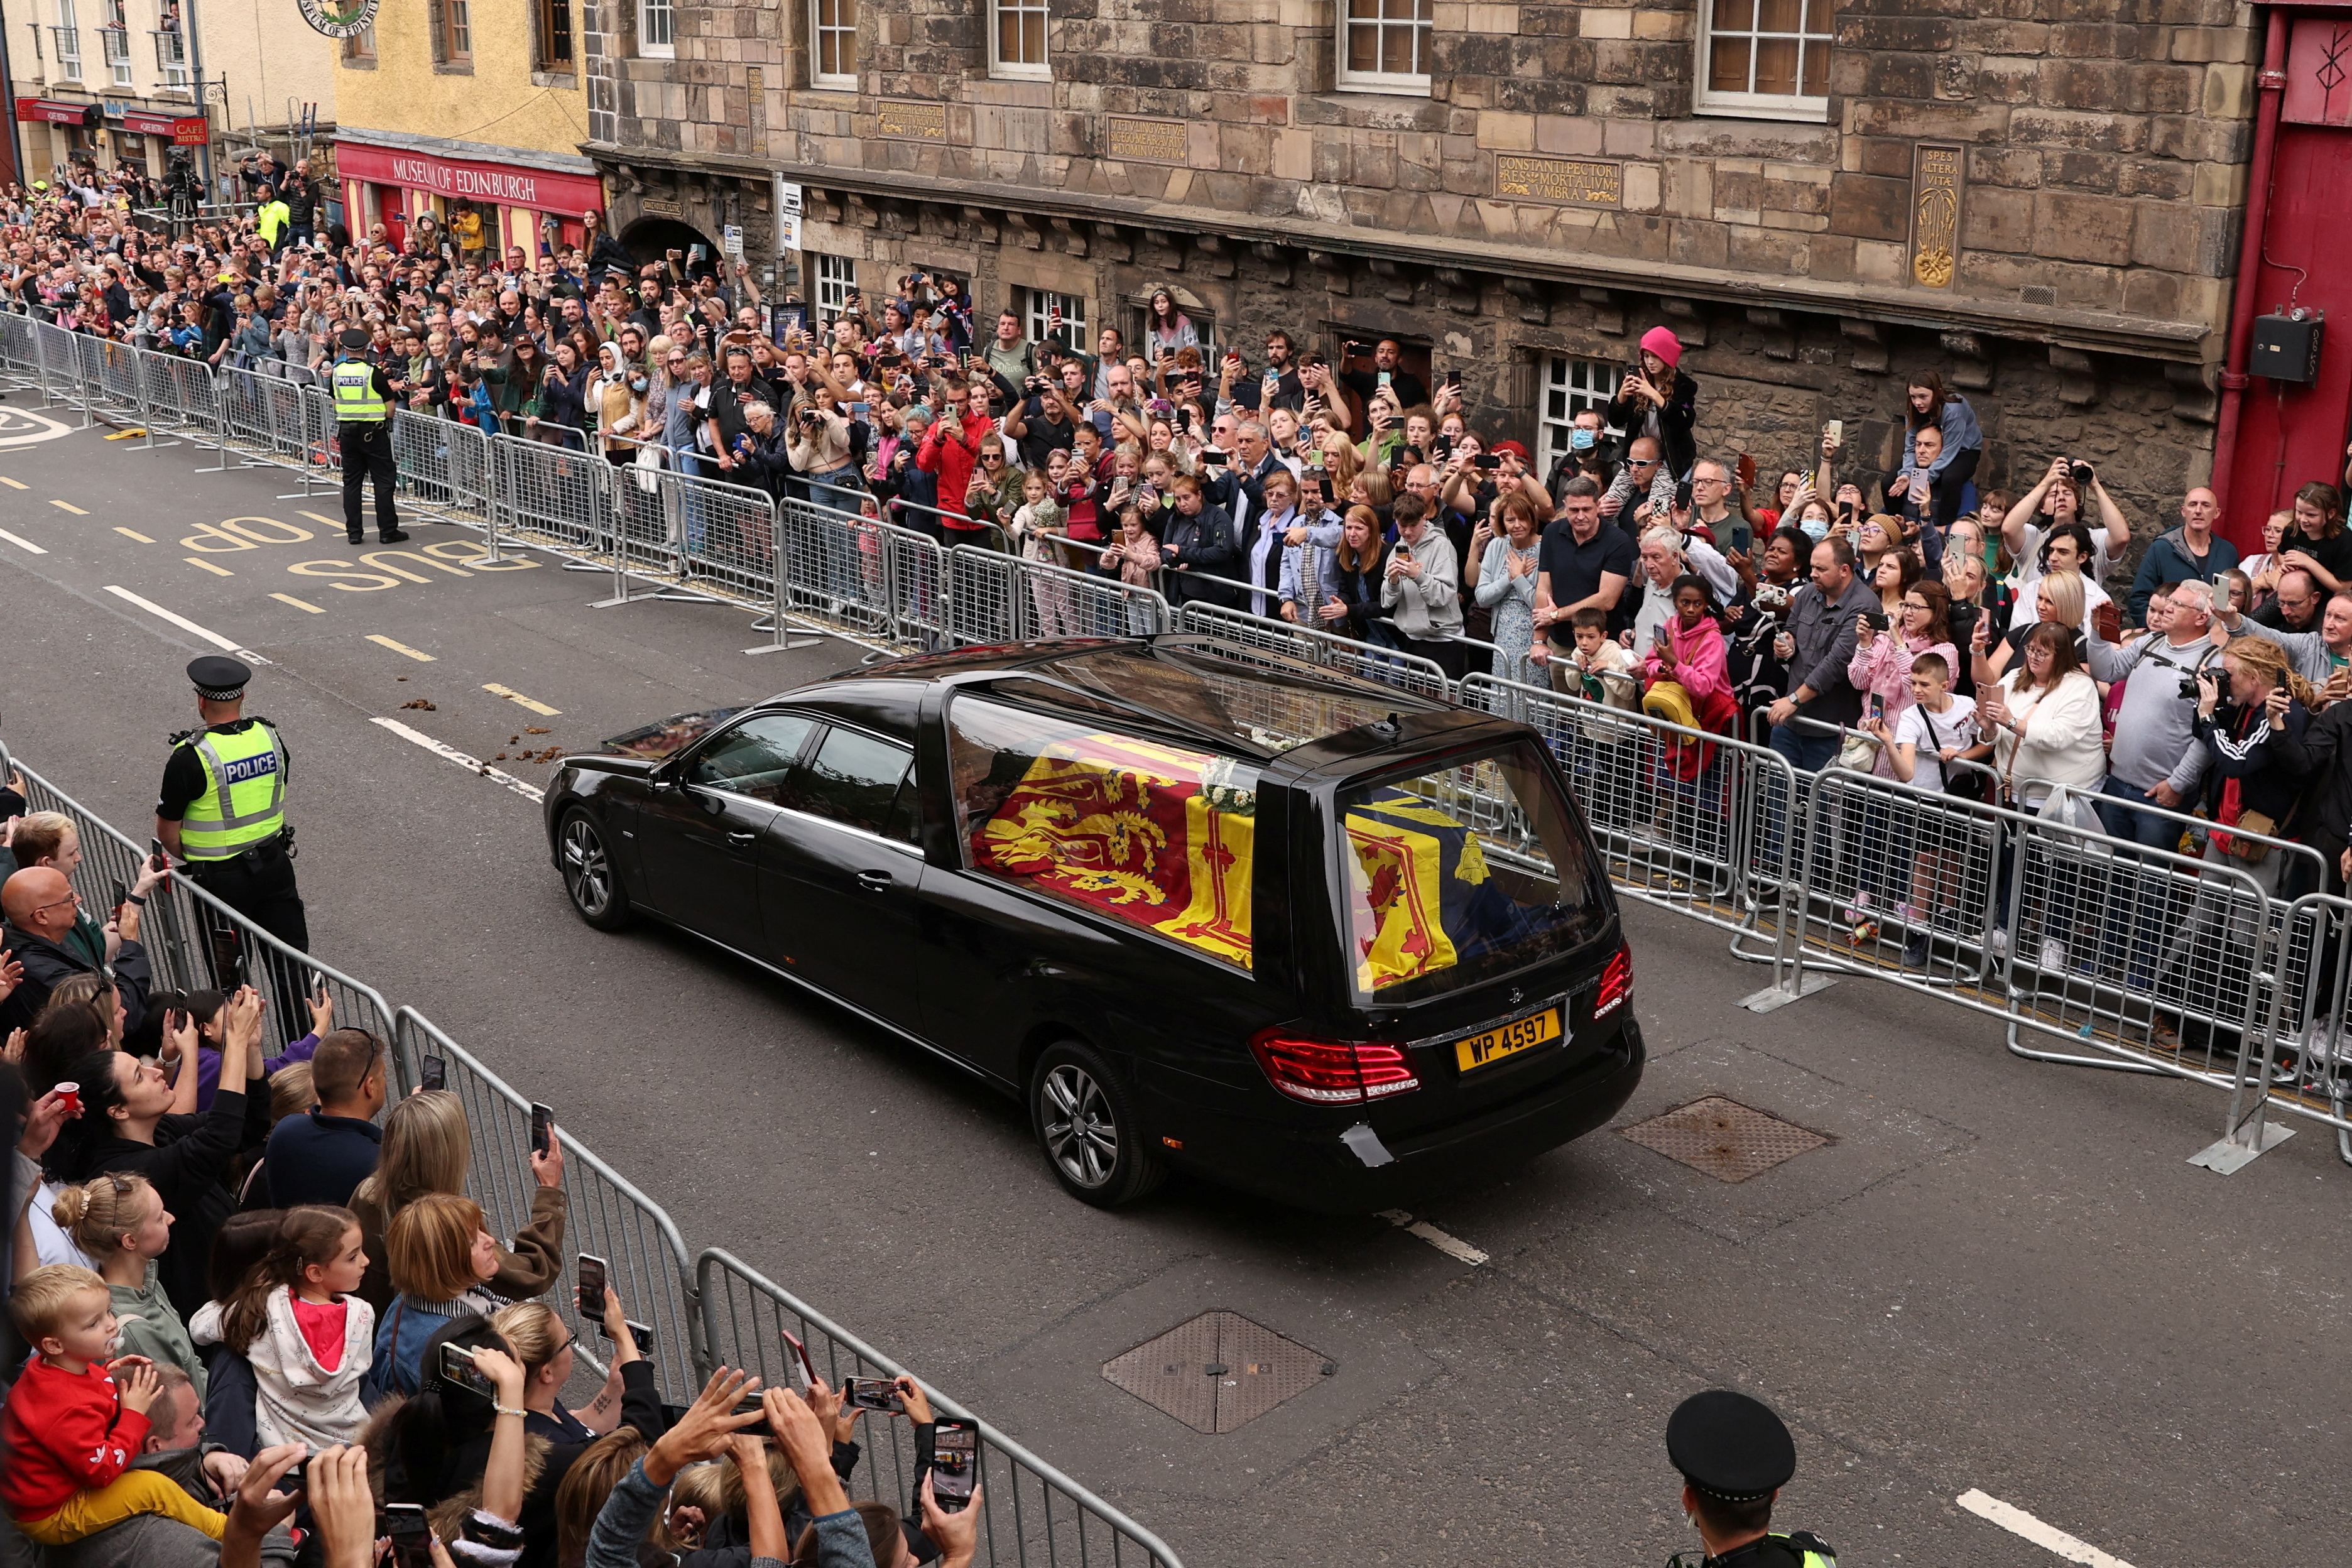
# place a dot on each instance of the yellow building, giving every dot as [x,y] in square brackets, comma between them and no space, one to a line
[275,73]
[469,112]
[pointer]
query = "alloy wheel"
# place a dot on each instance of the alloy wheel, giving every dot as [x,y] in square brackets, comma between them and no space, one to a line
[587,872]
[1081,1131]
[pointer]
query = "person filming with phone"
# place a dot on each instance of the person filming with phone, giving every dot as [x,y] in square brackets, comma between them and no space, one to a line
[1658,399]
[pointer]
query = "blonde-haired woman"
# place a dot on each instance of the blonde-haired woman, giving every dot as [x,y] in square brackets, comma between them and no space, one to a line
[2058,601]
[427,1147]
[2250,716]
[543,1345]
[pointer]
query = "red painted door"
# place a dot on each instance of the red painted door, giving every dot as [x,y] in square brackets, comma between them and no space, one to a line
[2289,434]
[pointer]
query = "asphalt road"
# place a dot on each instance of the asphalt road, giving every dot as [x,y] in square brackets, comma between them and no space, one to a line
[1995,1276]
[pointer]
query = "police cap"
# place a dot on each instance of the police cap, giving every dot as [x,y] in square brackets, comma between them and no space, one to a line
[355,340]
[1730,1447]
[218,678]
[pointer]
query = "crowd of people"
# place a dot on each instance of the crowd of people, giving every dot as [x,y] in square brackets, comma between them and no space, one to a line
[258,1319]
[1884,608]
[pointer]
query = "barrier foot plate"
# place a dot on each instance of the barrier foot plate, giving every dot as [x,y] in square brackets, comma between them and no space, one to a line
[791,642]
[1772,998]
[2229,1155]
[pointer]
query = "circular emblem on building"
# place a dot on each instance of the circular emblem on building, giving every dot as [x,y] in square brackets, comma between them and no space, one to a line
[338,20]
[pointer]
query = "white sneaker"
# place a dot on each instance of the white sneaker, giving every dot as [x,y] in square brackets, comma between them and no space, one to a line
[1996,944]
[2053,955]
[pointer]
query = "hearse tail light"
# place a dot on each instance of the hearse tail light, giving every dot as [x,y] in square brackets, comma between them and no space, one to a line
[1616,982]
[1333,1072]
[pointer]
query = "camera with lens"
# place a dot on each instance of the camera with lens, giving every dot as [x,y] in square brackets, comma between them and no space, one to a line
[2189,688]
[811,418]
[2083,475]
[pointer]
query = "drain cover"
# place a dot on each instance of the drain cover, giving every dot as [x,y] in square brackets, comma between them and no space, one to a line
[1217,1371]
[1724,1138]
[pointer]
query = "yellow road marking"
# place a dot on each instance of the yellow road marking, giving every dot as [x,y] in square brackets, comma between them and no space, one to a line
[290,599]
[132,533]
[13,484]
[199,562]
[518,700]
[68,506]
[383,641]
[314,517]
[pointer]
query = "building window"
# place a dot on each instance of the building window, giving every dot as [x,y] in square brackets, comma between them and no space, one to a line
[115,34]
[1571,386]
[361,46]
[555,34]
[457,32]
[1068,328]
[836,277]
[832,43]
[1017,46]
[170,50]
[656,37]
[1765,58]
[1384,46]
[68,34]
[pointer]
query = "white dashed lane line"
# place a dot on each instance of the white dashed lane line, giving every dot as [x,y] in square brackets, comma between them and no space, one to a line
[21,543]
[185,624]
[1451,1246]
[2049,1537]
[530,792]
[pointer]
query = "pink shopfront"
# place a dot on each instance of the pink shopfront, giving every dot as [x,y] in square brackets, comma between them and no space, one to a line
[519,205]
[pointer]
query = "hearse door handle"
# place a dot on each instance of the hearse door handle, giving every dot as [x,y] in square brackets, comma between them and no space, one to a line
[873,881]
[742,841]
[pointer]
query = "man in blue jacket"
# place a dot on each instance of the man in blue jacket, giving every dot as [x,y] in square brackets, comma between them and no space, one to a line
[2190,553]
[319,1156]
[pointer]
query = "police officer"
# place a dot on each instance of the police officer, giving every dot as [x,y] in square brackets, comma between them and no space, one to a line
[1735,1455]
[364,401]
[222,809]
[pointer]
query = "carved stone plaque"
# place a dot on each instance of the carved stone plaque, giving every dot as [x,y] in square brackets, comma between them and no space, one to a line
[911,121]
[1936,186]
[1576,182]
[1147,141]
[661,206]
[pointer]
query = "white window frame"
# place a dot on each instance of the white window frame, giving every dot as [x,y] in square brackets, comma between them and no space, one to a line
[69,28]
[648,48]
[1571,384]
[831,278]
[845,35]
[1028,70]
[1416,82]
[1036,311]
[114,40]
[1706,99]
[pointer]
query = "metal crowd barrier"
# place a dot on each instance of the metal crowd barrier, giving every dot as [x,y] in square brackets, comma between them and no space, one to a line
[703,1313]
[196,943]
[1853,876]
[606,1217]
[1030,1511]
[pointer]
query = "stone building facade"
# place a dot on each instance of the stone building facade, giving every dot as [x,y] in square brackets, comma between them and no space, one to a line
[2041,199]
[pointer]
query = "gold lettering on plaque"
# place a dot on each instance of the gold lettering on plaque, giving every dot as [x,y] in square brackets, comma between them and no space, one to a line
[915,122]
[1574,181]
[1148,141]
[1935,178]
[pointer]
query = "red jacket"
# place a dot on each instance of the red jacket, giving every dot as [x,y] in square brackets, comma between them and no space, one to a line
[63,1434]
[953,461]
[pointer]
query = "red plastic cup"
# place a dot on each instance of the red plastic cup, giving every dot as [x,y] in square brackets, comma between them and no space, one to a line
[71,1094]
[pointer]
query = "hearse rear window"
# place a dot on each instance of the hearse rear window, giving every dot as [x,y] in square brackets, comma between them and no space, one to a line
[1460,874]
[1153,836]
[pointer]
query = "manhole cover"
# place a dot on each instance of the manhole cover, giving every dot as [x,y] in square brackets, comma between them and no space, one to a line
[1724,1138]
[1217,1371]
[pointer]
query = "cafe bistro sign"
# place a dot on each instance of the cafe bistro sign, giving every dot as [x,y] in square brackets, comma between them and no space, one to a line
[339,18]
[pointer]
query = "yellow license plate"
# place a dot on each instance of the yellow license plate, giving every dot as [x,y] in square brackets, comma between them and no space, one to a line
[1507,1040]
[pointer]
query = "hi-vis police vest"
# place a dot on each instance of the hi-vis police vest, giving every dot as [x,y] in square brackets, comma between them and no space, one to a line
[355,399]
[244,803]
